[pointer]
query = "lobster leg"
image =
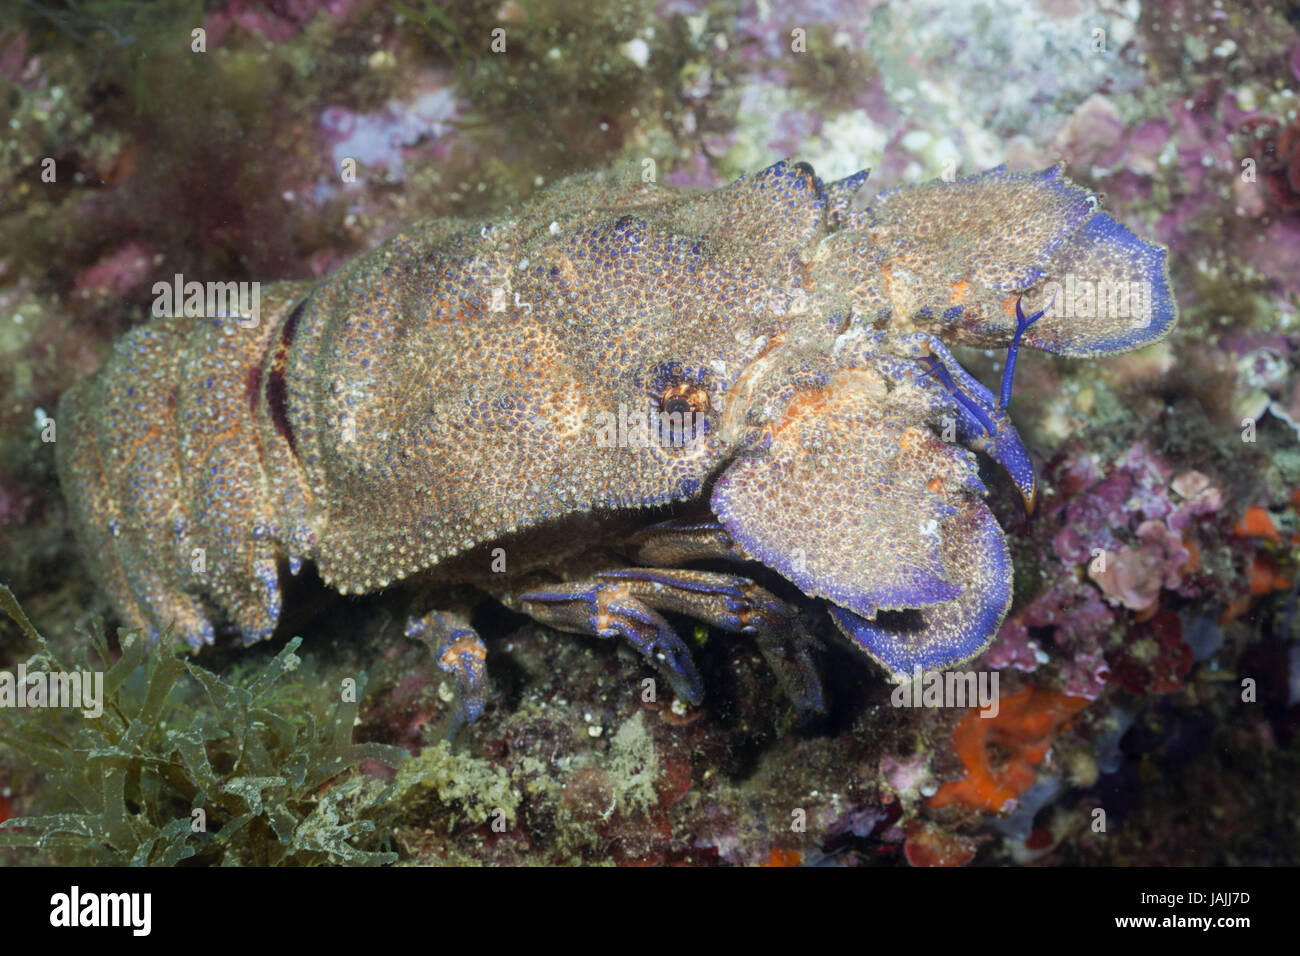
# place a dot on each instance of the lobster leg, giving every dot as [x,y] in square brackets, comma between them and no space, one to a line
[624,602]
[731,603]
[459,652]
[609,609]
[739,606]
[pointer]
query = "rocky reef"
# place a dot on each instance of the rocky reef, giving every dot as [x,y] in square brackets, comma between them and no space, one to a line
[1149,669]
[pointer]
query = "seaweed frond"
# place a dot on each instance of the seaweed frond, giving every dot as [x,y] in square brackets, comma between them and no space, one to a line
[184,765]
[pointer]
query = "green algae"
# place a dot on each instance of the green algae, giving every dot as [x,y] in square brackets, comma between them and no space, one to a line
[478,787]
[634,765]
[185,766]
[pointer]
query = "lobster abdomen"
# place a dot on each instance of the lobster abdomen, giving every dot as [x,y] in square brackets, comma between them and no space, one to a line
[181,477]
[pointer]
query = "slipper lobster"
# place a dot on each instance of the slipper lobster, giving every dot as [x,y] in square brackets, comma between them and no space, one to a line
[571,405]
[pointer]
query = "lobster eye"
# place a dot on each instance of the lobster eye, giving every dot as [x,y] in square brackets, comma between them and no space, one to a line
[680,420]
[683,398]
